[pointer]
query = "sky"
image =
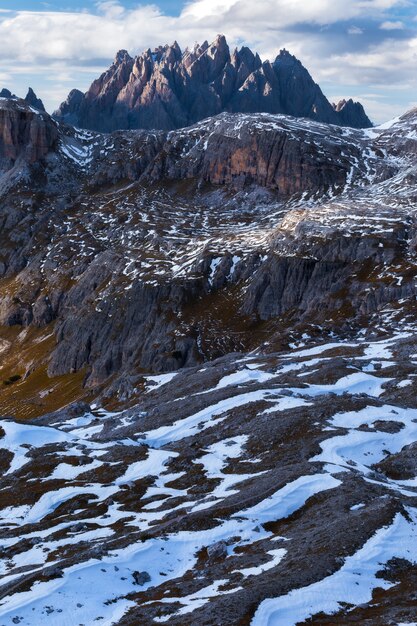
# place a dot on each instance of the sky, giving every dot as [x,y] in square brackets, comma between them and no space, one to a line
[365,49]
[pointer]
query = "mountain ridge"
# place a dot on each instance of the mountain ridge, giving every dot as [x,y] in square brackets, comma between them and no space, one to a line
[168,89]
[231,205]
[31,98]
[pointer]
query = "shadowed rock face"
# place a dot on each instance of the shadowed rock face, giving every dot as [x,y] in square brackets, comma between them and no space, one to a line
[33,100]
[24,134]
[168,89]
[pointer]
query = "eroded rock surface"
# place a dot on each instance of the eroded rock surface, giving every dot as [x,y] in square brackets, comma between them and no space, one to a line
[174,248]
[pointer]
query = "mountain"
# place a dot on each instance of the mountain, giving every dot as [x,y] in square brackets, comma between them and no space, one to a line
[30,98]
[196,202]
[208,364]
[135,231]
[169,89]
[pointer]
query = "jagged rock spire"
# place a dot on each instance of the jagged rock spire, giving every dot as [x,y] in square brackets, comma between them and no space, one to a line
[167,89]
[32,99]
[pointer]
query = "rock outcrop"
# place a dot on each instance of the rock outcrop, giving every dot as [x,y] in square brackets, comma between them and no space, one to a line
[70,109]
[31,98]
[351,113]
[24,134]
[169,89]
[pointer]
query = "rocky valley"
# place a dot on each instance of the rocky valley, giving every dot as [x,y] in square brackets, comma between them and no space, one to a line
[208,365]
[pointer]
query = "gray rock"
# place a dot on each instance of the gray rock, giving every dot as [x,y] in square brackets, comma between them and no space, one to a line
[141,578]
[217,551]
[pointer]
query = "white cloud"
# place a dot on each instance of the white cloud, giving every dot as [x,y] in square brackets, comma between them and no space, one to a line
[111,9]
[388,63]
[206,8]
[246,16]
[392,26]
[5,77]
[63,35]
[355,30]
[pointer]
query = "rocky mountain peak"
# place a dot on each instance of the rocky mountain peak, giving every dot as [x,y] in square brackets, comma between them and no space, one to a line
[219,52]
[167,55]
[75,96]
[71,107]
[285,57]
[5,93]
[167,89]
[176,50]
[121,57]
[32,99]
[351,111]
[288,67]
[246,56]
[219,46]
[340,105]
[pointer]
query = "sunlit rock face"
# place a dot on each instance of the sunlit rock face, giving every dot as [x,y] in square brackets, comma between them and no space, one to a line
[168,89]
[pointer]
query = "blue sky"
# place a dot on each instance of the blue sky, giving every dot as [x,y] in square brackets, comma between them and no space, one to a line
[366,49]
[171,7]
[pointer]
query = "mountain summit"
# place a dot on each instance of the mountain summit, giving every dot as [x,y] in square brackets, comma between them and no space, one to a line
[168,89]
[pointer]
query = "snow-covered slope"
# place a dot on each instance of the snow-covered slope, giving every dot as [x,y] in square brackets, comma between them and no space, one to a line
[209,501]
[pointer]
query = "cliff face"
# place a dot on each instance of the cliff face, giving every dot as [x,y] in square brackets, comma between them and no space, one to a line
[168,89]
[238,152]
[24,133]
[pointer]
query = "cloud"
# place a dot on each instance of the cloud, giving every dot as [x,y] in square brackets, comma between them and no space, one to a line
[69,35]
[111,9]
[319,32]
[355,30]
[392,25]
[389,63]
[5,77]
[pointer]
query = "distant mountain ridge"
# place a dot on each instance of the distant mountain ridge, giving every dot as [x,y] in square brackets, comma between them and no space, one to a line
[167,89]
[31,98]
